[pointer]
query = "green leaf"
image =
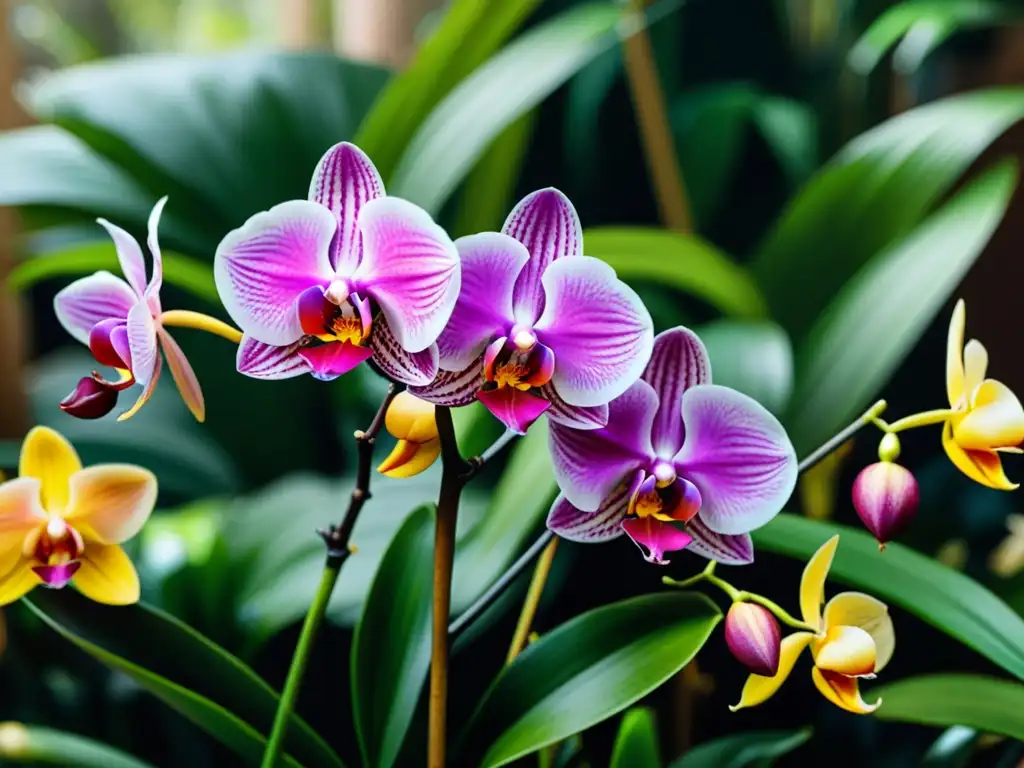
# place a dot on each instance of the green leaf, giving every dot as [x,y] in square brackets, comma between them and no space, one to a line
[755,748]
[636,745]
[986,703]
[191,674]
[586,671]
[391,648]
[872,193]
[34,744]
[867,331]
[754,358]
[683,262]
[946,599]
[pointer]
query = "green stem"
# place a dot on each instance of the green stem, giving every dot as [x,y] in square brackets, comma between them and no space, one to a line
[923,419]
[868,417]
[315,616]
[781,614]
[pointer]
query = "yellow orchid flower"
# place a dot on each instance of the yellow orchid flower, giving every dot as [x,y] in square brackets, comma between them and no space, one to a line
[61,523]
[987,418]
[411,420]
[854,639]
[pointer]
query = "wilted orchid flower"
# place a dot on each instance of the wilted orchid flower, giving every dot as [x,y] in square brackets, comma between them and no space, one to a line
[539,327]
[121,323]
[411,421]
[677,449]
[60,523]
[320,285]
[855,639]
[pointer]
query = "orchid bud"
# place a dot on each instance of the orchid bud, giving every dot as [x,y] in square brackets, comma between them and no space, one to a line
[411,420]
[885,496]
[91,399]
[753,635]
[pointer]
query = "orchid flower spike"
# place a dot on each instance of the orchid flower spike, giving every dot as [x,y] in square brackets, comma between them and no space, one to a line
[540,328]
[681,463]
[60,523]
[411,421]
[321,285]
[121,322]
[854,639]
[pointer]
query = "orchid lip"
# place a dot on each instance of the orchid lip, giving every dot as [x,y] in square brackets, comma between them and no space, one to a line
[57,576]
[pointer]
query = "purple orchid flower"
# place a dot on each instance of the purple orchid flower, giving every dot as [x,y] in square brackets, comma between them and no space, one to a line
[320,285]
[676,449]
[121,324]
[539,328]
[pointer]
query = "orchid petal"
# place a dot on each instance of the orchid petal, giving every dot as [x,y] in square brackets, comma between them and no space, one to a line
[453,388]
[514,408]
[842,691]
[855,609]
[409,458]
[995,419]
[602,524]
[410,267]
[183,375]
[598,328]
[984,467]
[142,343]
[739,457]
[107,575]
[18,581]
[156,281]
[589,464]
[655,538]
[345,179]
[849,651]
[329,361]
[727,550]
[955,354]
[759,689]
[146,393]
[129,256]
[546,223]
[49,457]
[108,342]
[975,365]
[110,503]
[812,582]
[412,368]
[678,361]
[490,264]
[410,418]
[573,416]
[91,300]
[267,361]
[262,267]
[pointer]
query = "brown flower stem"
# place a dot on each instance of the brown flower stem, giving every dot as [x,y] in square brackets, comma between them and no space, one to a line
[533,595]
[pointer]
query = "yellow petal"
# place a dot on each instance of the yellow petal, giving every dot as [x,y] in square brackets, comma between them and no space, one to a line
[955,354]
[20,508]
[855,609]
[849,651]
[146,393]
[975,365]
[983,467]
[48,456]
[812,583]
[409,458]
[111,502]
[842,691]
[995,419]
[758,689]
[18,580]
[107,575]
[409,418]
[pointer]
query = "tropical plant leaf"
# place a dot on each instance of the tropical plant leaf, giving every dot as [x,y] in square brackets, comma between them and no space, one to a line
[741,750]
[34,744]
[636,745]
[754,358]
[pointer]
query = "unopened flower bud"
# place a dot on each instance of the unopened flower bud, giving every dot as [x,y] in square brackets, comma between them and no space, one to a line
[91,399]
[885,496]
[752,634]
[411,420]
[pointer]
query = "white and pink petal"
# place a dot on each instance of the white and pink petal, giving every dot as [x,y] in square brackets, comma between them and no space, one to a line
[599,525]
[266,361]
[411,368]
[90,300]
[726,549]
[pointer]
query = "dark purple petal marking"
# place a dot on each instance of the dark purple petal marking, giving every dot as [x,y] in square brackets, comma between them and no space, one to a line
[265,361]
[679,361]
[573,416]
[603,524]
[412,368]
[728,550]
[453,388]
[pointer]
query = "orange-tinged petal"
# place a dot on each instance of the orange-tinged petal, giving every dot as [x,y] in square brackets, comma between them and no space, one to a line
[111,502]
[855,609]
[849,651]
[18,580]
[48,456]
[183,375]
[758,689]
[842,691]
[146,393]
[975,365]
[812,583]
[995,419]
[107,575]
[409,458]
[955,354]
[410,418]
[984,467]
[20,508]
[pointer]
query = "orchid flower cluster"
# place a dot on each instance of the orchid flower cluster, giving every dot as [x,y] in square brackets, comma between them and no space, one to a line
[642,443]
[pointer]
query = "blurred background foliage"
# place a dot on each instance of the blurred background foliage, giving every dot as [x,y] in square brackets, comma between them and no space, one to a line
[848,165]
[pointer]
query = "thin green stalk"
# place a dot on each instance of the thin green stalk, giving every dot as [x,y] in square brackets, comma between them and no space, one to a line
[868,417]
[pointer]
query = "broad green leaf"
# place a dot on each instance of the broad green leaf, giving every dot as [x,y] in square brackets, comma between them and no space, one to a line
[586,671]
[868,329]
[34,744]
[683,262]
[952,749]
[946,599]
[198,678]
[754,358]
[636,745]
[391,648]
[871,194]
[754,748]
[985,703]
[586,94]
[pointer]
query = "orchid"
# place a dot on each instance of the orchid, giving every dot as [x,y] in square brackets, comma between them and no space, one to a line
[854,638]
[60,523]
[677,449]
[320,285]
[538,327]
[411,421]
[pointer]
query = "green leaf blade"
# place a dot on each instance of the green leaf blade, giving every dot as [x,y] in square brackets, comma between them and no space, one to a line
[755,748]
[636,745]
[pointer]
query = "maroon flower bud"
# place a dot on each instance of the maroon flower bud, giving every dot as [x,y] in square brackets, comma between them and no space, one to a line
[885,496]
[752,634]
[91,399]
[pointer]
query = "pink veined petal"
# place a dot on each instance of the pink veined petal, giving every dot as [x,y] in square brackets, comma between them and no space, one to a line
[655,538]
[490,264]
[329,361]
[156,280]
[183,375]
[90,300]
[603,524]
[545,222]
[738,455]
[142,343]
[129,256]
[147,392]
[453,388]
[412,368]
[728,550]
[514,408]
[573,416]
[600,331]
[589,464]
[678,361]
[344,179]
[262,267]
[265,361]
[410,267]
